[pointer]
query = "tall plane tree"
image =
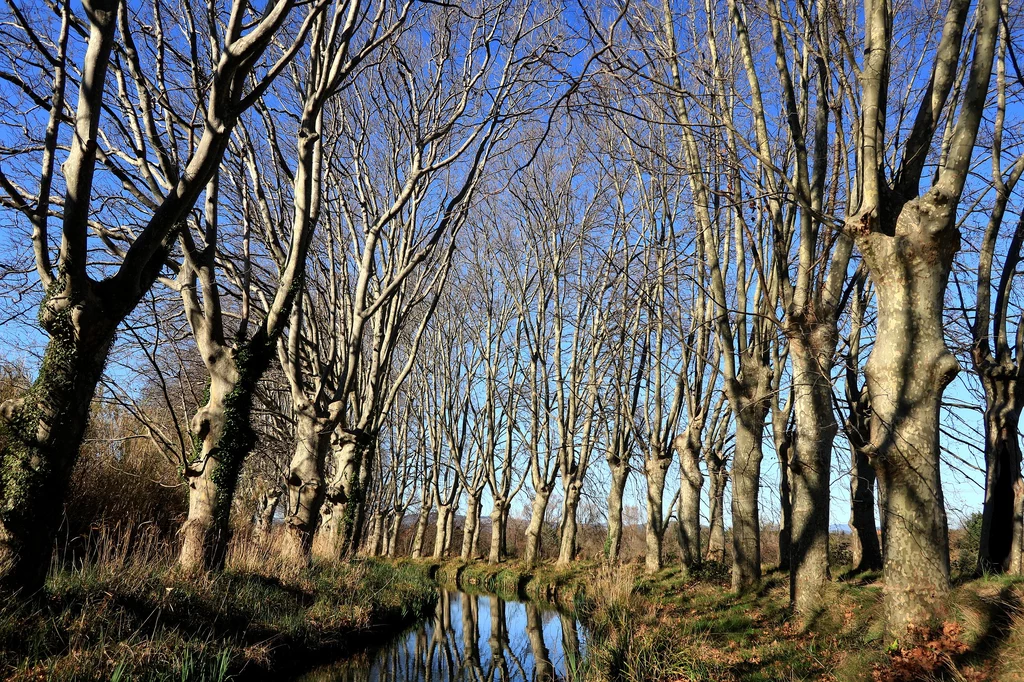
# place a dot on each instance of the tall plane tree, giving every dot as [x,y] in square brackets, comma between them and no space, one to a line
[160,157]
[908,237]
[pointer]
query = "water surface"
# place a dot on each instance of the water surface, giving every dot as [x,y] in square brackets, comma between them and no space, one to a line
[471,638]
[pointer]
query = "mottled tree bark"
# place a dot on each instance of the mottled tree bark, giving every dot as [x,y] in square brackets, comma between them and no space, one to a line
[263,521]
[305,484]
[908,241]
[40,437]
[620,472]
[1001,527]
[419,534]
[499,526]
[746,479]
[531,555]
[223,437]
[656,469]
[567,539]
[472,524]
[691,482]
[783,451]
[334,534]
[375,535]
[396,528]
[444,514]
[718,476]
[907,372]
[811,351]
[867,552]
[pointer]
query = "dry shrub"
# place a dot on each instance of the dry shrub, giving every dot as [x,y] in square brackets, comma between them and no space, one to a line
[120,481]
[931,656]
[612,584]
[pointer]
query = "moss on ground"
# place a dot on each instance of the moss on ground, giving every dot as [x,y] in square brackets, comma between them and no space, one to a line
[150,624]
[676,627]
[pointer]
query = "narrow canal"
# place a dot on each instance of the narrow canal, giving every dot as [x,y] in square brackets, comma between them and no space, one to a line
[471,638]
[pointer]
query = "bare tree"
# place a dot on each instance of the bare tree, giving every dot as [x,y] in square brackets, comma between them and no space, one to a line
[867,552]
[908,240]
[997,359]
[163,159]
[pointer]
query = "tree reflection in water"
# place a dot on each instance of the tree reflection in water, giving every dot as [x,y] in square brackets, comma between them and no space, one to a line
[472,638]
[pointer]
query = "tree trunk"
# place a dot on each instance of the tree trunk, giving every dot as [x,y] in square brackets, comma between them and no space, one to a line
[570,526]
[338,509]
[420,532]
[506,509]
[444,511]
[223,438]
[1001,520]
[375,536]
[907,373]
[811,350]
[691,482]
[358,501]
[655,471]
[40,436]
[449,529]
[474,543]
[498,530]
[867,553]
[264,521]
[746,479]
[716,518]
[41,431]
[618,487]
[396,528]
[533,531]
[469,528]
[783,451]
[305,485]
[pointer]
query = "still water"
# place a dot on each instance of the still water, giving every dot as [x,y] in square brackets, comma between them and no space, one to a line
[471,638]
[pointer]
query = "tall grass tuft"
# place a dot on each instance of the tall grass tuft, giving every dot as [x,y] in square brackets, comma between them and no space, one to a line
[118,609]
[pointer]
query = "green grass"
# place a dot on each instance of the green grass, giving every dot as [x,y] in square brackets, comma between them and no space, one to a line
[674,627]
[147,623]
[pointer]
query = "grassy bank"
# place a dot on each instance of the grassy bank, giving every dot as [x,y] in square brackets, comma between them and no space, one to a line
[673,627]
[139,620]
[563,586]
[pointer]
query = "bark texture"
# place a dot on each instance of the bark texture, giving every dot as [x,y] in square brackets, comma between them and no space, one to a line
[531,554]
[570,526]
[620,472]
[718,476]
[810,468]
[751,412]
[334,536]
[1001,525]
[40,435]
[499,526]
[222,437]
[305,484]
[691,482]
[906,374]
